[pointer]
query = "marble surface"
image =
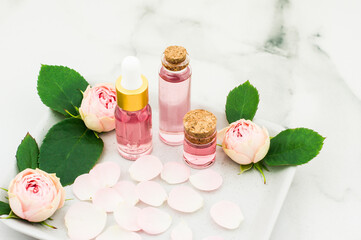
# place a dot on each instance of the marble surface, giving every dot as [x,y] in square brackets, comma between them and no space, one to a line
[300,54]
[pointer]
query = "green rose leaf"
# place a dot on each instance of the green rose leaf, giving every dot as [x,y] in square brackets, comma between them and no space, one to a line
[294,147]
[4,208]
[60,88]
[27,153]
[242,102]
[69,149]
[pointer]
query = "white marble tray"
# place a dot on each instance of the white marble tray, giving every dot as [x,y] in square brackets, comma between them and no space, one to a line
[260,203]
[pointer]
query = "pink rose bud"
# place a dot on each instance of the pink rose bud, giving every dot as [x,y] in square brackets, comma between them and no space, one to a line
[245,142]
[97,107]
[35,195]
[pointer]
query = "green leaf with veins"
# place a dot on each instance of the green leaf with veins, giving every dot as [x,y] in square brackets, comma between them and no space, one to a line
[69,149]
[294,147]
[242,102]
[60,88]
[27,153]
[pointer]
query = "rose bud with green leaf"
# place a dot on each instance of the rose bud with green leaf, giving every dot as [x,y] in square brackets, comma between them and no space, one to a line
[245,142]
[97,107]
[35,195]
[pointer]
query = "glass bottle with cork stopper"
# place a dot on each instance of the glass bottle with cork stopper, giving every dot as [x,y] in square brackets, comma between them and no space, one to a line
[200,138]
[133,114]
[174,94]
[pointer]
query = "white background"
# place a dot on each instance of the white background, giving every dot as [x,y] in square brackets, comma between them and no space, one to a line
[302,55]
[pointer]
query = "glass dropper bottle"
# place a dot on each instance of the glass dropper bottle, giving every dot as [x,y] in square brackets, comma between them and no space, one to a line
[133,114]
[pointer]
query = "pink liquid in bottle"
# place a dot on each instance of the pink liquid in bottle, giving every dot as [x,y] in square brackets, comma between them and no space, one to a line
[133,115]
[134,132]
[200,155]
[174,103]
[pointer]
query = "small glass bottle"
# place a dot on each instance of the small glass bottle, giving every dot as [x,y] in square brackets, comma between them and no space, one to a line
[174,94]
[133,114]
[200,138]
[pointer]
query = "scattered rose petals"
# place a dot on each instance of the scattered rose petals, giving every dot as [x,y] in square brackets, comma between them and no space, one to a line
[115,232]
[206,180]
[85,186]
[154,221]
[84,220]
[127,191]
[213,238]
[107,199]
[126,216]
[151,193]
[227,214]
[145,168]
[185,199]
[182,232]
[175,172]
[107,174]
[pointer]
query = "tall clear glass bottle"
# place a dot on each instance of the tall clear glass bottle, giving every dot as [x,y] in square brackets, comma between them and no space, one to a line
[174,94]
[133,114]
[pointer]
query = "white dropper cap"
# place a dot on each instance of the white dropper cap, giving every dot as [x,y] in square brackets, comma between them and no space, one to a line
[131,75]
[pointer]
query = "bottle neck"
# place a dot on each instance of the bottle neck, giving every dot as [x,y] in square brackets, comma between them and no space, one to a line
[175,66]
[200,141]
[119,109]
[132,100]
[175,76]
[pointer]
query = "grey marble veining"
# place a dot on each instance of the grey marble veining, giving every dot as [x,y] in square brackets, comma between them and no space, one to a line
[300,54]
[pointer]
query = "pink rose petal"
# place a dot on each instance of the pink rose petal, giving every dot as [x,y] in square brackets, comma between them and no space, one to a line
[107,174]
[213,238]
[154,221]
[84,220]
[206,180]
[126,216]
[185,199]
[127,191]
[107,199]
[145,168]
[115,232]
[151,193]
[175,172]
[221,134]
[85,186]
[227,214]
[182,232]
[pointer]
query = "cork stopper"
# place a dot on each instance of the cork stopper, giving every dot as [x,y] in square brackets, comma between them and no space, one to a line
[200,126]
[175,58]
